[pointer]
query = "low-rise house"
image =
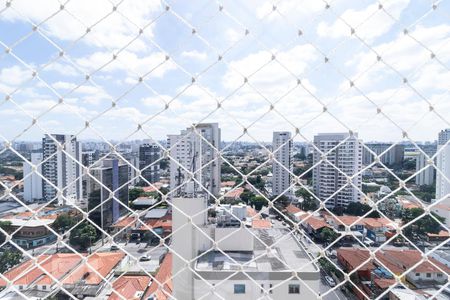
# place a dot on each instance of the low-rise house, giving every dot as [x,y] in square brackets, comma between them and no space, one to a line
[438,237]
[82,278]
[234,195]
[164,278]
[129,287]
[376,228]
[340,222]
[389,262]
[313,225]
[31,233]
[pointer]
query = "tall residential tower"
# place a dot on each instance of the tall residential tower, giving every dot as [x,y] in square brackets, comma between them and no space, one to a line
[195,151]
[282,164]
[341,151]
[62,167]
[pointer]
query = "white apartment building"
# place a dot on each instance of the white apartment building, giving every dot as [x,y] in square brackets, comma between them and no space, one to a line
[345,153]
[443,165]
[62,167]
[194,154]
[282,152]
[32,183]
[271,271]
[426,172]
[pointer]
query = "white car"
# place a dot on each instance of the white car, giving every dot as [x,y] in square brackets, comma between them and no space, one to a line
[145,258]
[330,281]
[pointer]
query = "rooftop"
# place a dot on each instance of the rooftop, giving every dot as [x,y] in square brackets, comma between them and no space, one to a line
[286,255]
[129,287]
[156,213]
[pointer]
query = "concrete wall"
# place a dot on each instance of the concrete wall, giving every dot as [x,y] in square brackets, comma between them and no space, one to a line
[253,291]
[229,243]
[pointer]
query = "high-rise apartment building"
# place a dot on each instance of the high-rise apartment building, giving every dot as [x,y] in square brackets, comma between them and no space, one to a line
[62,167]
[32,183]
[282,163]
[196,152]
[389,154]
[108,188]
[148,161]
[443,165]
[426,174]
[284,272]
[343,152]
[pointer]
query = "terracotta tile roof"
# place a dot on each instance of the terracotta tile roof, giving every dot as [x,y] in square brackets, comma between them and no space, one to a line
[409,258]
[384,283]
[156,186]
[103,263]
[355,257]
[164,276]
[397,261]
[377,222]
[441,233]
[57,264]
[236,193]
[129,286]
[292,209]
[349,220]
[251,212]
[315,222]
[227,183]
[125,222]
[261,224]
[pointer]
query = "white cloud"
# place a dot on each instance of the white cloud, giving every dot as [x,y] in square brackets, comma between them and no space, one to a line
[369,22]
[152,65]
[13,77]
[194,55]
[113,31]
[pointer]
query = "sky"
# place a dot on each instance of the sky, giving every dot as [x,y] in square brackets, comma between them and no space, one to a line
[127,70]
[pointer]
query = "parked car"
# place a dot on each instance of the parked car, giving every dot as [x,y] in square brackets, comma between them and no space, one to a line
[145,258]
[330,281]
[114,248]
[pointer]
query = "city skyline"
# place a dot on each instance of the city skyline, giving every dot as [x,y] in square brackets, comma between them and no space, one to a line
[276,149]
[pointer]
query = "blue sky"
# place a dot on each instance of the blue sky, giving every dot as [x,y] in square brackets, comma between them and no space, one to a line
[282,68]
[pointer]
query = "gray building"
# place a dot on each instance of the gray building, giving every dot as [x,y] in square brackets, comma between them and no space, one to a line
[62,168]
[149,154]
[390,154]
[197,152]
[426,175]
[343,152]
[282,163]
[108,188]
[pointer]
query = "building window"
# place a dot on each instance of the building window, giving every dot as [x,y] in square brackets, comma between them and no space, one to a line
[439,274]
[262,288]
[417,274]
[44,287]
[270,289]
[294,289]
[239,288]
[428,275]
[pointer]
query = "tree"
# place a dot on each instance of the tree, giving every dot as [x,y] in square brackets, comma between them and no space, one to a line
[357,209]
[6,226]
[309,202]
[135,193]
[246,196]
[164,163]
[328,235]
[425,224]
[258,202]
[9,259]
[83,235]
[64,222]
